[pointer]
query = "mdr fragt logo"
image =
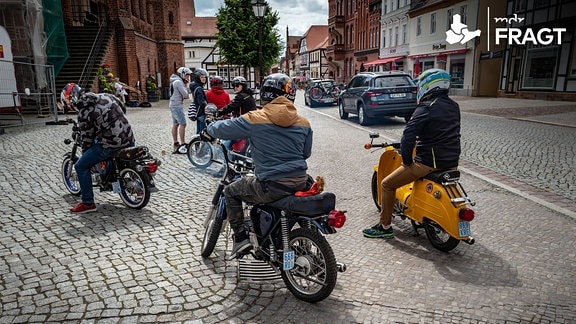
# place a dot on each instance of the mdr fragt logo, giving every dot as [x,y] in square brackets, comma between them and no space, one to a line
[459,32]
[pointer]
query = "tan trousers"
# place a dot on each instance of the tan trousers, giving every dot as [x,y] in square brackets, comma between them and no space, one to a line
[398,178]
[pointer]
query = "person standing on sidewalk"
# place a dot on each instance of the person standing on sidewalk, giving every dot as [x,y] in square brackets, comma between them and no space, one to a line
[179,92]
[104,130]
[197,91]
[434,130]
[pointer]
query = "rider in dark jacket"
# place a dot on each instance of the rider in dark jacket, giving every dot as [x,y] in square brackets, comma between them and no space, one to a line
[434,130]
[243,101]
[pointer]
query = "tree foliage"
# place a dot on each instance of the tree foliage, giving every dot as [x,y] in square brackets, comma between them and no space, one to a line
[238,35]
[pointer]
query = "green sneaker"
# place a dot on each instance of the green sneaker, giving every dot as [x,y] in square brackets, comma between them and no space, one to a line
[378,231]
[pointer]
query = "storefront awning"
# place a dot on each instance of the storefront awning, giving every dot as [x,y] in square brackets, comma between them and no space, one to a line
[452,52]
[382,61]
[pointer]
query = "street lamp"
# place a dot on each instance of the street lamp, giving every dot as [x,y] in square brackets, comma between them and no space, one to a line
[259,7]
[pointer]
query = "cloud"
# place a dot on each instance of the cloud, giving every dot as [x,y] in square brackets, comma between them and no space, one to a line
[298,15]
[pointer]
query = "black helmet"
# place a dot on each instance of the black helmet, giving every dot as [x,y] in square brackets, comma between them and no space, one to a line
[198,73]
[216,81]
[277,84]
[239,81]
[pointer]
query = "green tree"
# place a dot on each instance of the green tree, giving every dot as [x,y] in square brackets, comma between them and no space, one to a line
[238,35]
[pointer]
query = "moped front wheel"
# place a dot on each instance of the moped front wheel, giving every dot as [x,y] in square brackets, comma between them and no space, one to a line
[134,188]
[213,228]
[375,185]
[200,153]
[438,237]
[70,177]
[315,272]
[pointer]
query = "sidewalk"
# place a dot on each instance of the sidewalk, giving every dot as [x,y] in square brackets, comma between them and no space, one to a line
[562,113]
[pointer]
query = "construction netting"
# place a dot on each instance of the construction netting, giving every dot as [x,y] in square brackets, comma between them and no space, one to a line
[56,46]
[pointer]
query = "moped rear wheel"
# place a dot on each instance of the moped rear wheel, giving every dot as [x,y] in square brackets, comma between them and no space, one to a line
[314,274]
[70,177]
[438,237]
[134,188]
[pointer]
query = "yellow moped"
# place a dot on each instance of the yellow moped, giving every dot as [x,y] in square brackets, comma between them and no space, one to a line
[436,202]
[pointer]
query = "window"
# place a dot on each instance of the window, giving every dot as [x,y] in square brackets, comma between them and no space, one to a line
[170,18]
[418,26]
[396,35]
[540,68]
[449,15]
[385,6]
[404,34]
[384,39]
[433,23]
[464,13]
[390,36]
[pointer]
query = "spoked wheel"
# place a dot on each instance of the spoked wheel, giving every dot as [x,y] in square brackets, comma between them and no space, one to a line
[214,226]
[438,237]
[316,93]
[314,274]
[134,188]
[375,190]
[199,153]
[70,177]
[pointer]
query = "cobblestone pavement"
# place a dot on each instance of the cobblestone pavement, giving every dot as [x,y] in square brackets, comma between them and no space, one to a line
[122,266]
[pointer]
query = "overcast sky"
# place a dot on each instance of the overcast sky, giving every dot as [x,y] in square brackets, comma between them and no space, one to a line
[298,15]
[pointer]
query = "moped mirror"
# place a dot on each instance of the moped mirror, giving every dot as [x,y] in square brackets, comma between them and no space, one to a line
[374,135]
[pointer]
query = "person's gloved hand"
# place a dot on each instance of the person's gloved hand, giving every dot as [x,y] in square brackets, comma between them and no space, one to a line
[209,119]
[205,136]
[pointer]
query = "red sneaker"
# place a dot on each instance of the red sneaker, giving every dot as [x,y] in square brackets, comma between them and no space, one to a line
[81,208]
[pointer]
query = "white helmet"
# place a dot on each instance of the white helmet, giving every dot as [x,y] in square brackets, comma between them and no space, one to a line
[182,71]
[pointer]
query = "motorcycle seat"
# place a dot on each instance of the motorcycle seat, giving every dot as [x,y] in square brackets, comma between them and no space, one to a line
[131,153]
[443,176]
[310,206]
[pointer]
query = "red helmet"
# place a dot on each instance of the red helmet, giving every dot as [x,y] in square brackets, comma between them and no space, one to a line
[216,81]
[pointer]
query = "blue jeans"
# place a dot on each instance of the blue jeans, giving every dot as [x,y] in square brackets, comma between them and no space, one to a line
[95,154]
[200,124]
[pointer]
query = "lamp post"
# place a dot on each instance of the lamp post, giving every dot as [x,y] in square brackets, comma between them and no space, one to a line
[259,7]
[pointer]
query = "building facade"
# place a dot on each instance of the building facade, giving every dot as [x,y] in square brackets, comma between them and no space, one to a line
[542,68]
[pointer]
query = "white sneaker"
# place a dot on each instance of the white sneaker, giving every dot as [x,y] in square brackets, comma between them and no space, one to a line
[182,149]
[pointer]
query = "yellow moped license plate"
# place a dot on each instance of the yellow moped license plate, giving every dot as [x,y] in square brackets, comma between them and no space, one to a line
[464,228]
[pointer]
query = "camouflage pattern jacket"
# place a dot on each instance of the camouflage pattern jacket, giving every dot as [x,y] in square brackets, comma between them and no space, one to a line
[101,120]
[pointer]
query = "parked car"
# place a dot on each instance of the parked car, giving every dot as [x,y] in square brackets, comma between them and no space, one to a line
[321,92]
[371,95]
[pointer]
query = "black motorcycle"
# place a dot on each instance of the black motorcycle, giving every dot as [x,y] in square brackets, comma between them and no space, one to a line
[130,172]
[287,233]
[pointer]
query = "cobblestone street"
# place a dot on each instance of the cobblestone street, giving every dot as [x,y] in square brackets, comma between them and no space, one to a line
[135,266]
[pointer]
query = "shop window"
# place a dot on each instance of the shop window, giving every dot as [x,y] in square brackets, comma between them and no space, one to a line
[572,72]
[457,73]
[540,68]
[427,65]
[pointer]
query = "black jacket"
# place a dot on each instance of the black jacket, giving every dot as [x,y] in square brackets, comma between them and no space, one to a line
[243,102]
[199,97]
[435,132]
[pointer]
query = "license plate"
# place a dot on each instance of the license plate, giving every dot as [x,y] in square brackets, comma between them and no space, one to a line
[397,95]
[464,229]
[328,99]
[288,259]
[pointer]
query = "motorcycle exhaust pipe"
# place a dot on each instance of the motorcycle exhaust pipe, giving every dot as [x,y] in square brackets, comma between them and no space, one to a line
[341,267]
[470,241]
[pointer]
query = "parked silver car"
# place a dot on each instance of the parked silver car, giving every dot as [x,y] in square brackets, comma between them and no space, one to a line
[371,95]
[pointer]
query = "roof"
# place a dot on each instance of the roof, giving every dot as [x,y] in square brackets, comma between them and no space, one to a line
[199,27]
[315,36]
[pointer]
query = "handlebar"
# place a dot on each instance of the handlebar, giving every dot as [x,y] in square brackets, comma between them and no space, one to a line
[368,146]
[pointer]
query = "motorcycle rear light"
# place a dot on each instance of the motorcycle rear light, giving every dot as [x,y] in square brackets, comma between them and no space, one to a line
[466,214]
[336,218]
[152,166]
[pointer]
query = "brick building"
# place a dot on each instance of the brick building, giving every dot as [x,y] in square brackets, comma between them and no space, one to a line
[144,36]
